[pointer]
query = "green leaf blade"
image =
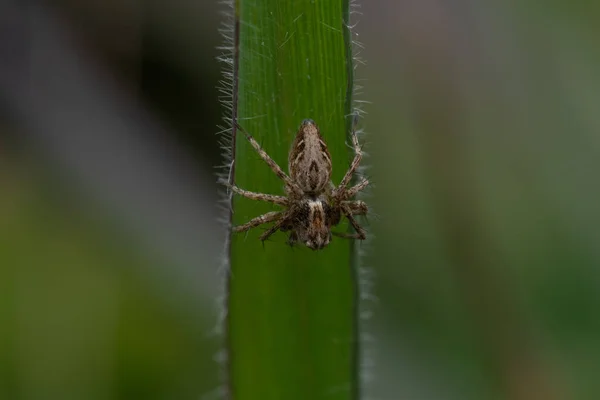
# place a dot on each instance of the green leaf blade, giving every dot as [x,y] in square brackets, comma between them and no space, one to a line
[291,311]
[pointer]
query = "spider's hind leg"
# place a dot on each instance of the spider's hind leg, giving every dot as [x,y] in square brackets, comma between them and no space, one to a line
[270,162]
[358,154]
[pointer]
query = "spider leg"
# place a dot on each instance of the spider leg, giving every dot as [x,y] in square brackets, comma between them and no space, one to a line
[273,229]
[357,158]
[261,219]
[344,194]
[347,235]
[292,239]
[356,207]
[271,198]
[267,159]
[360,232]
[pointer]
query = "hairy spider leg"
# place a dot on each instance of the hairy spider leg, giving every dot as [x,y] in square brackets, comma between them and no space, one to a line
[356,207]
[346,235]
[274,228]
[357,158]
[292,239]
[270,162]
[360,232]
[349,193]
[271,198]
[261,219]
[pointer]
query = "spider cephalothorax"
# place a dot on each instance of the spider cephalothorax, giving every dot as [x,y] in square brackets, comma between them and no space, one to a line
[313,205]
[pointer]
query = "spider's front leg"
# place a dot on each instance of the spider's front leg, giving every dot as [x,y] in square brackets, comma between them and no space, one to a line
[346,235]
[347,208]
[292,239]
[278,225]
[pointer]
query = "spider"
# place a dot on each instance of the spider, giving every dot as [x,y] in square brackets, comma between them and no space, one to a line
[312,203]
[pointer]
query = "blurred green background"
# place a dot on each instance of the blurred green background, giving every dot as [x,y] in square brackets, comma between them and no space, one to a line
[482,134]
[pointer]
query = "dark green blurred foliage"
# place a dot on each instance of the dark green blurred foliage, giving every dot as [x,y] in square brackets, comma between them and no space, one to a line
[76,323]
[90,308]
[485,151]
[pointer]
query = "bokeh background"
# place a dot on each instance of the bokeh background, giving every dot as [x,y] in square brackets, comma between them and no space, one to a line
[482,128]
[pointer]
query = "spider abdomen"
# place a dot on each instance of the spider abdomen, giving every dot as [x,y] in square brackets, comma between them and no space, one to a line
[309,159]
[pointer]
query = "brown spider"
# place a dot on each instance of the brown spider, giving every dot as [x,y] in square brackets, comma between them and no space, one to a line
[313,204]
